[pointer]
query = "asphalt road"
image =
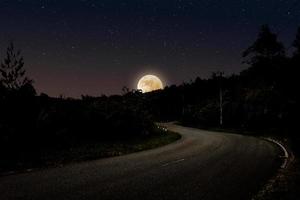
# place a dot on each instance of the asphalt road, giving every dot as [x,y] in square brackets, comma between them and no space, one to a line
[201,165]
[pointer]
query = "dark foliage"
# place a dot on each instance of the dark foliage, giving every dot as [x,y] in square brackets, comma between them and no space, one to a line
[261,99]
[12,70]
[296,44]
[30,125]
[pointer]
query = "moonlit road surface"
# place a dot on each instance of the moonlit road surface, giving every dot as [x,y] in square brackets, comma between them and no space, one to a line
[201,165]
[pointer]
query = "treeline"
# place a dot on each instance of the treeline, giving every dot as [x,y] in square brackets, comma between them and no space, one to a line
[31,124]
[262,99]
[37,122]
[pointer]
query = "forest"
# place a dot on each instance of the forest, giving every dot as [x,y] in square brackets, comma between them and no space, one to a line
[261,99]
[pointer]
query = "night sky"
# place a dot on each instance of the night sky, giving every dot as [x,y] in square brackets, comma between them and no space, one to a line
[97,47]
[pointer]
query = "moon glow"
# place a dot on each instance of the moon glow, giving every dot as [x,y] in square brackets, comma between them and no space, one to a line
[149,83]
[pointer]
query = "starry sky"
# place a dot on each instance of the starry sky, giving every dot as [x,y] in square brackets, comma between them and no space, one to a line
[96,47]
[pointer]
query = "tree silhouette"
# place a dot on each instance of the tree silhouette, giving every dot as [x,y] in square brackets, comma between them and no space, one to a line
[125,90]
[296,44]
[266,57]
[12,72]
[266,47]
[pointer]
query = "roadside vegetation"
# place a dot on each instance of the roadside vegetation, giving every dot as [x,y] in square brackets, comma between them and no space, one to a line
[86,151]
[261,100]
[38,129]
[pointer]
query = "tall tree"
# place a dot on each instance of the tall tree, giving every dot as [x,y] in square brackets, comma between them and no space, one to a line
[266,57]
[12,72]
[265,47]
[296,44]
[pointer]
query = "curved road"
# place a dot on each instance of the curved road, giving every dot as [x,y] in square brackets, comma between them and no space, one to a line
[201,165]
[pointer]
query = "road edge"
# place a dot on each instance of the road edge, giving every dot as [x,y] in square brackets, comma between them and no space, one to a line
[286,155]
[270,186]
[163,130]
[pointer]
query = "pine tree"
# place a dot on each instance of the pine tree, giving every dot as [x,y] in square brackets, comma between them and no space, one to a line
[296,44]
[266,57]
[12,72]
[266,47]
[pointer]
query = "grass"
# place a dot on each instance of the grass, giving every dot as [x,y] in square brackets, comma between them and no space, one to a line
[284,186]
[110,149]
[90,151]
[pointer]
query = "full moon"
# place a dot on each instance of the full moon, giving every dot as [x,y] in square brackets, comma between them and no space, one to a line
[149,83]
